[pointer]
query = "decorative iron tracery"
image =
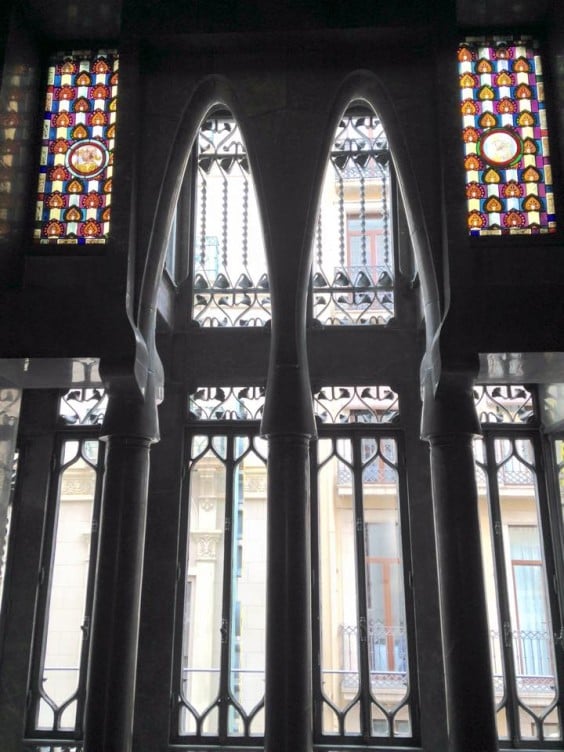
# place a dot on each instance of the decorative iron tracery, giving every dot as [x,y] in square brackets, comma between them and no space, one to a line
[504,403]
[230,282]
[227,403]
[83,407]
[353,279]
[355,404]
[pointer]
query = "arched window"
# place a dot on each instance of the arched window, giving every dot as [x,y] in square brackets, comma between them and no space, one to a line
[353,268]
[230,282]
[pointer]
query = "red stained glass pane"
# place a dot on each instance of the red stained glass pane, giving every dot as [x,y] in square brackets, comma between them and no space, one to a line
[505,138]
[76,163]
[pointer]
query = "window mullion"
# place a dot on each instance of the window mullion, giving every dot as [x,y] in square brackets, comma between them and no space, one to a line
[44,588]
[224,698]
[81,698]
[315,591]
[364,664]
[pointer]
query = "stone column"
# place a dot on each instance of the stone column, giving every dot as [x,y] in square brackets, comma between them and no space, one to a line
[449,425]
[288,695]
[129,429]
[288,180]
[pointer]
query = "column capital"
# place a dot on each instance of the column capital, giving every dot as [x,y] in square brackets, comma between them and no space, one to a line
[449,409]
[131,415]
[289,407]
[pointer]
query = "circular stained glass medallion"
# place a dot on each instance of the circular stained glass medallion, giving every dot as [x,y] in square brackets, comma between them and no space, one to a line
[500,147]
[86,158]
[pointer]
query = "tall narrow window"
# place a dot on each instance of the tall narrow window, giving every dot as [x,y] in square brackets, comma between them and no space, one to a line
[58,671]
[220,637]
[363,685]
[519,567]
[231,285]
[76,163]
[353,280]
[506,152]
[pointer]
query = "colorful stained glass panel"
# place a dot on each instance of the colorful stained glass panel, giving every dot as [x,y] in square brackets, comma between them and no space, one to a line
[76,163]
[506,153]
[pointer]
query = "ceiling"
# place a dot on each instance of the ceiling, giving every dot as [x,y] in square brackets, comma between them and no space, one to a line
[76,19]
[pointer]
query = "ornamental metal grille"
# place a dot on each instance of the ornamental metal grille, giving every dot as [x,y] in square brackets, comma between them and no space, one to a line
[219,671]
[58,670]
[506,151]
[507,403]
[83,407]
[77,150]
[353,279]
[355,404]
[230,285]
[227,403]
[518,560]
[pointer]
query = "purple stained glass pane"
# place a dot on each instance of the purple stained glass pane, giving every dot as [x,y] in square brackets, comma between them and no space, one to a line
[76,162]
[508,173]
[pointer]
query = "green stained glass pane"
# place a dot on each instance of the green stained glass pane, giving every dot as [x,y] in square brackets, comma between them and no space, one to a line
[506,153]
[76,162]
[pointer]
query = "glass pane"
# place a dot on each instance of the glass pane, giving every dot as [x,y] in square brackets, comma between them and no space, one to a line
[374,647]
[559,455]
[230,278]
[506,152]
[385,598]
[490,584]
[59,674]
[6,517]
[353,275]
[202,635]
[223,650]
[531,626]
[10,400]
[338,577]
[248,584]
[76,162]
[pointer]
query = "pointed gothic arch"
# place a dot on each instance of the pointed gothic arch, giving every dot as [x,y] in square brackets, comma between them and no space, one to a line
[364,85]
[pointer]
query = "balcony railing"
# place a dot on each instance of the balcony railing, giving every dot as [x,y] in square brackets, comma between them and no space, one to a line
[376,472]
[533,651]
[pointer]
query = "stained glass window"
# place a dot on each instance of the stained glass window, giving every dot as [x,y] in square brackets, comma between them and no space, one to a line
[506,153]
[75,174]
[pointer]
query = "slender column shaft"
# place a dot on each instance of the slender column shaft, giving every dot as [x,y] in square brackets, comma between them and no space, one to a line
[288,695]
[115,621]
[469,688]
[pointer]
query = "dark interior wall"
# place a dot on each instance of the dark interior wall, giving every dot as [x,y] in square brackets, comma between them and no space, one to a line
[19,106]
[289,62]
